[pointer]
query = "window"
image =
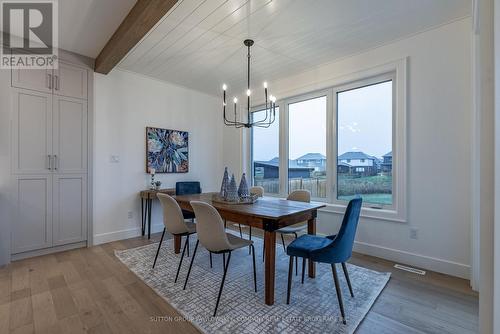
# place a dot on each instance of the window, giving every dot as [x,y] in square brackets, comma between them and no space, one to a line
[364,129]
[307,141]
[265,154]
[340,142]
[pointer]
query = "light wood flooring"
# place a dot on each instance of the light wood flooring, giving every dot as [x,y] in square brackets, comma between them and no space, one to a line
[91,291]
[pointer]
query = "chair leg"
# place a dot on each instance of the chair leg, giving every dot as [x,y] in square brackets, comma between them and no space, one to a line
[263,249]
[225,223]
[186,243]
[296,259]
[288,290]
[159,246]
[222,284]
[241,233]
[283,242]
[254,270]
[250,238]
[344,267]
[339,293]
[191,264]
[187,240]
[210,259]
[303,268]
[223,259]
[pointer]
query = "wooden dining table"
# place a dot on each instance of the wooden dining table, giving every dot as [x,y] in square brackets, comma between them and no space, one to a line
[268,214]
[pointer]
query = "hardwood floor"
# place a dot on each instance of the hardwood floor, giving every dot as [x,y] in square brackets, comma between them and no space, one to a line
[90,291]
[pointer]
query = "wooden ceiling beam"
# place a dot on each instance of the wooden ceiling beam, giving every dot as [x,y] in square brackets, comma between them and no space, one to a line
[141,18]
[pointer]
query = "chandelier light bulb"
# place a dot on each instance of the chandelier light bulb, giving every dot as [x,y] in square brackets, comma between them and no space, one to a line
[249,92]
[265,84]
[273,98]
[224,87]
[235,100]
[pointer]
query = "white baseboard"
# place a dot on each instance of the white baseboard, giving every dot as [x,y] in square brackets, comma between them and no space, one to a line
[421,261]
[103,238]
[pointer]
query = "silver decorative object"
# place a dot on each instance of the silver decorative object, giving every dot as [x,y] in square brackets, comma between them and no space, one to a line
[243,191]
[224,185]
[232,191]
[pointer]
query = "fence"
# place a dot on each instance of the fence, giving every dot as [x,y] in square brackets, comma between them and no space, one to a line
[317,186]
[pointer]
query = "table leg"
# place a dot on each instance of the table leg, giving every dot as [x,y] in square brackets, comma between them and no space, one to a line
[149,217]
[270,254]
[177,244]
[311,229]
[142,217]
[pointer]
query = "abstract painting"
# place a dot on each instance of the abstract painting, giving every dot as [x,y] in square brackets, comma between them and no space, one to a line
[167,150]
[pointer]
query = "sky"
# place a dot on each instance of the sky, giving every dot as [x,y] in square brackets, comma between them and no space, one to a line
[364,124]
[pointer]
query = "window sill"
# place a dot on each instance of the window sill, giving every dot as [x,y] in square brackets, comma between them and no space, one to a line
[379,214]
[370,213]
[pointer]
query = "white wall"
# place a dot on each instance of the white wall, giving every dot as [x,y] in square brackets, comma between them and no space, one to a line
[5,205]
[125,104]
[439,148]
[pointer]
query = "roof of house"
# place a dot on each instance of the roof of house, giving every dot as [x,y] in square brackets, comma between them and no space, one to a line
[312,156]
[388,154]
[355,156]
[291,165]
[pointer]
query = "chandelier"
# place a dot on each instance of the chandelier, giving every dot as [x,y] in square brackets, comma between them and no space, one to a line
[270,104]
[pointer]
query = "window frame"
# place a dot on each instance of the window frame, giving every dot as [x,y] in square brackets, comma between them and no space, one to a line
[397,72]
[375,80]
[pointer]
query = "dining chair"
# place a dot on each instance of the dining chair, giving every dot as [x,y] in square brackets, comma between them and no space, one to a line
[212,235]
[175,224]
[259,191]
[187,188]
[332,249]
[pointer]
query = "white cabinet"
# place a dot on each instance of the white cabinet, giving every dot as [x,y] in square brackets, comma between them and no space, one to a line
[40,80]
[69,208]
[32,226]
[70,135]
[70,81]
[49,158]
[31,131]
[66,80]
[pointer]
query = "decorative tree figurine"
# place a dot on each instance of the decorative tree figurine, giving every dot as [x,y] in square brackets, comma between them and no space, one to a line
[232,191]
[243,189]
[224,185]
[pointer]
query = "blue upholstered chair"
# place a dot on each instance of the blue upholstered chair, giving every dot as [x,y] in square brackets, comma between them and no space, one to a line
[187,188]
[332,249]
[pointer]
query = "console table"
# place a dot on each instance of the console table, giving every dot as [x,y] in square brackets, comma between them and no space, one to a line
[147,197]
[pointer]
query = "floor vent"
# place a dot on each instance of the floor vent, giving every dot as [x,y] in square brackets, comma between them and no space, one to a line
[410,269]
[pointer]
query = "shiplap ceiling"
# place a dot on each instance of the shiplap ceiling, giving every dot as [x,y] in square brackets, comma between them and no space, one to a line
[199,44]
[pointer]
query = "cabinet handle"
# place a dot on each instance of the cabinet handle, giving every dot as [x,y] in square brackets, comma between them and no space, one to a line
[49,83]
[49,160]
[57,82]
[56,162]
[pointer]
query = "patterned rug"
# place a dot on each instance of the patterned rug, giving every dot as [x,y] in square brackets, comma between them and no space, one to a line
[313,307]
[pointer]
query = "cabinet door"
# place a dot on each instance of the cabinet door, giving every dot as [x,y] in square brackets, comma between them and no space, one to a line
[40,80]
[70,135]
[31,132]
[69,208]
[70,81]
[32,226]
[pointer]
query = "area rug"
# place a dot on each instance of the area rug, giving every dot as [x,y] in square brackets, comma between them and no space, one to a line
[313,307]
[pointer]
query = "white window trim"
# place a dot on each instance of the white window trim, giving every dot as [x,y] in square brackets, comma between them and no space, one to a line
[398,211]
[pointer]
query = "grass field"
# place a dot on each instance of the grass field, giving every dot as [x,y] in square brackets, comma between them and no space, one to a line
[384,199]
